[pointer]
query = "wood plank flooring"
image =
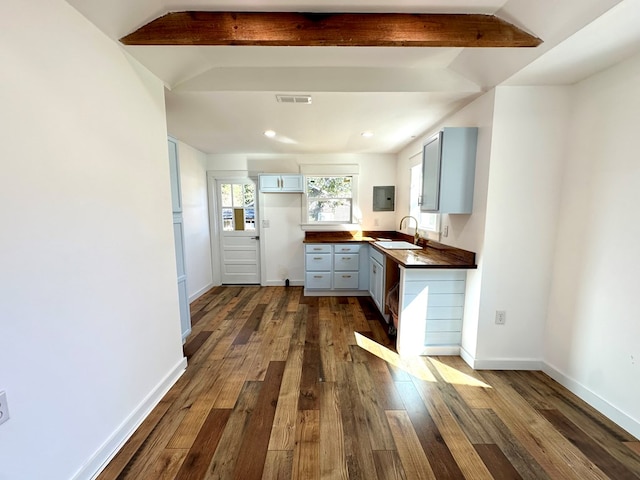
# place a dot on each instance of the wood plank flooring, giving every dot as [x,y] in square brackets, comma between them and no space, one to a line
[284,386]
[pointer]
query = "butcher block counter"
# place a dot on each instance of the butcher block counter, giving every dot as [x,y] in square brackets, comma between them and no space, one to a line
[432,255]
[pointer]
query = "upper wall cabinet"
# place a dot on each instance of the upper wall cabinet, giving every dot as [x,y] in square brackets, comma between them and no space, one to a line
[448,171]
[285,183]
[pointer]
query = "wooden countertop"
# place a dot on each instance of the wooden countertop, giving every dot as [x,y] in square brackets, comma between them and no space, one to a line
[433,255]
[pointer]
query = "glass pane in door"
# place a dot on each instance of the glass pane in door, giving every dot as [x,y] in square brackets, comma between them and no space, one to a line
[238,206]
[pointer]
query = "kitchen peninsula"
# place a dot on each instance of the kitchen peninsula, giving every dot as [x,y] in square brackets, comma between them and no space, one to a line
[428,284]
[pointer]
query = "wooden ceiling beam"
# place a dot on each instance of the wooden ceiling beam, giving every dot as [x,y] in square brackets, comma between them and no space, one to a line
[334,29]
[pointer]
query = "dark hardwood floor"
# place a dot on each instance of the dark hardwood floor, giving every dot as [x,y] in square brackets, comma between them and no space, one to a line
[285,386]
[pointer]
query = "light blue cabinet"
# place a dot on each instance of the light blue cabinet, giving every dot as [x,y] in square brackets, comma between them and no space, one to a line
[281,183]
[336,269]
[178,237]
[448,171]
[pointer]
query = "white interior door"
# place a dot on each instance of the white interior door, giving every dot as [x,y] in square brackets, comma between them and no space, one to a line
[239,240]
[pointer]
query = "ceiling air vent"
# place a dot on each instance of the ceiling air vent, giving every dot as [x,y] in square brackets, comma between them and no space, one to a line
[303,99]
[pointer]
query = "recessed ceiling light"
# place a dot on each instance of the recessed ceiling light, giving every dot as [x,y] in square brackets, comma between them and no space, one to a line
[367,134]
[269,133]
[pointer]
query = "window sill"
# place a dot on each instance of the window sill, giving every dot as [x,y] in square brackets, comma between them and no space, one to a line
[329,227]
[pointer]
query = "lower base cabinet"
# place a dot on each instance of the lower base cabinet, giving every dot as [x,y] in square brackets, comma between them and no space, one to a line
[336,269]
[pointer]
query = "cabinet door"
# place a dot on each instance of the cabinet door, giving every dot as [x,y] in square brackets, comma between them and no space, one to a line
[269,183]
[376,283]
[431,174]
[292,183]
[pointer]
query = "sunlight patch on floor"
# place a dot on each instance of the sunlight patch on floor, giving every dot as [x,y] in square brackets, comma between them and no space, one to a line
[416,365]
[456,377]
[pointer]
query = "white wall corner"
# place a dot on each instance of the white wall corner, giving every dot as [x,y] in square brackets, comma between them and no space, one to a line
[614,414]
[201,292]
[100,459]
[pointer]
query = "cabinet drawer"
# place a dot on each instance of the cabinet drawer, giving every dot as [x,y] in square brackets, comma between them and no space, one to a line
[345,261]
[318,262]
[317,248]
[346,280]
[346,248]
[317,280]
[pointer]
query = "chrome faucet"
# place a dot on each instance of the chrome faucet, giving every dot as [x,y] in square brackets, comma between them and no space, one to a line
[416,236]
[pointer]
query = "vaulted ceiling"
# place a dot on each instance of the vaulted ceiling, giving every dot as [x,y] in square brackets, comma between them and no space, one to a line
[220,99]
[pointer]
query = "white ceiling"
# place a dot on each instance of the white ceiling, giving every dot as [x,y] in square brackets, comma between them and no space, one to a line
[221,99]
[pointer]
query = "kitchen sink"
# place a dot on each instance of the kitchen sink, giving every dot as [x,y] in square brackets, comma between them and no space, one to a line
[398,245]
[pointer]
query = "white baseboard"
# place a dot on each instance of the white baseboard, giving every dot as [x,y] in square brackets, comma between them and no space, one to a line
[201,292]
[280,283]
[616,415]
[500,363]
[112,445]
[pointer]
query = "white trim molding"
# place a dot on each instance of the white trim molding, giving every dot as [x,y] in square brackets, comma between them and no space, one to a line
[501,363]
[118,438]
[610,411]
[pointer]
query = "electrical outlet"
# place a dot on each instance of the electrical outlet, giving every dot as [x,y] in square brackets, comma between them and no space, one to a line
[501,317]
[445,231]
[4,408]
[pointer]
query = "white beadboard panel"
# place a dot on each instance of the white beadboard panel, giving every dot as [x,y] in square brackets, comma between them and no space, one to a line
[414,274]
[435,286]
[444,313]
[443,338]
[444,326]
[439,300]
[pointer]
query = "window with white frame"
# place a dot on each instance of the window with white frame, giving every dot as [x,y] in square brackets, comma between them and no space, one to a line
[330,199]
[426,221]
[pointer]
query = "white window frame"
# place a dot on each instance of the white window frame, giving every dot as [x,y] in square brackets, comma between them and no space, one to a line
[310,199]
[329,170]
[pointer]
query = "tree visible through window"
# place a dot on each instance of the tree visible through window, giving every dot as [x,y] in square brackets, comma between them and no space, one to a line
[330,199]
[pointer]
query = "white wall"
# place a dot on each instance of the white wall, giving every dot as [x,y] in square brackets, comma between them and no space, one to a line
[195,213]
[282,242]
[592,330]
[88,299]
[527,158]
